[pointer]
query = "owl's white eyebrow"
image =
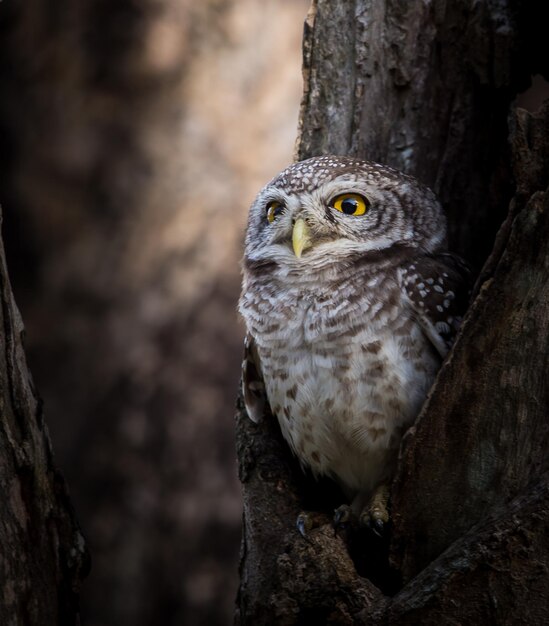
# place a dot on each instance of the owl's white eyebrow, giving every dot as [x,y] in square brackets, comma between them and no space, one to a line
[345,185]
[274,194]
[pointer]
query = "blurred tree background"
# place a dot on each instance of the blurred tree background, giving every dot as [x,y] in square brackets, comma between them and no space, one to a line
[135,135]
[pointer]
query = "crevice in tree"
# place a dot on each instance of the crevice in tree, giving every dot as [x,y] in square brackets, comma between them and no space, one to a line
[370,555]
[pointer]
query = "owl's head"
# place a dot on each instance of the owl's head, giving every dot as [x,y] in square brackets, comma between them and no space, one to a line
[328,209]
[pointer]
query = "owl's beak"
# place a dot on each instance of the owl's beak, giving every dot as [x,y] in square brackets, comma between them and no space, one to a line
[301,237]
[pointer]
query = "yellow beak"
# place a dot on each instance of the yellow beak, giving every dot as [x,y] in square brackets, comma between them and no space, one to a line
[301,237]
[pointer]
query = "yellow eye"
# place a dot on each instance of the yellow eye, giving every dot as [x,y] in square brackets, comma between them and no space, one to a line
[350,204]
[274,209]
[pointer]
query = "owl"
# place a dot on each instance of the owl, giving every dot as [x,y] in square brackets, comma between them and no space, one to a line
[351,303]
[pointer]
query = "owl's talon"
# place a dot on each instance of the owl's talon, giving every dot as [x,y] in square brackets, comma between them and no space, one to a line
[374,522]
[376,515]
[376,525]
[304,524]
[343,518]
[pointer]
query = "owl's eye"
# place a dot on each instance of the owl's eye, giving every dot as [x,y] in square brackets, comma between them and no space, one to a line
[350,204]
[274,209]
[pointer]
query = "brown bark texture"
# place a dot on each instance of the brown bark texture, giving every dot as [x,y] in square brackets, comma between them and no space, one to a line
[44,555]
[430,88]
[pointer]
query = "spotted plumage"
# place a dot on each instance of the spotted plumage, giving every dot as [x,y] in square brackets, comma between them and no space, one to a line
[351,302]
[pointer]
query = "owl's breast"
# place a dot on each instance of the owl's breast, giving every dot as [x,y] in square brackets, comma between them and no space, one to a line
[344,381]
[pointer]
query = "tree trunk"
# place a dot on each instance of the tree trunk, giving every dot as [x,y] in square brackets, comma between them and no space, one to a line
[429,88]
[43,553]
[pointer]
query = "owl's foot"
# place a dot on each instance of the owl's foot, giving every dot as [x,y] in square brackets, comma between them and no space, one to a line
[375,515]
[306,521]
[304,524]
[344,518]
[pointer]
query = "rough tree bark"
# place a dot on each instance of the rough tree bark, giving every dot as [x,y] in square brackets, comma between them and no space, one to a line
[44,556]
[430,88]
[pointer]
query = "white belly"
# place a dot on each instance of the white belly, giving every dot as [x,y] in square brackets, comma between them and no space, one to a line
[343,402]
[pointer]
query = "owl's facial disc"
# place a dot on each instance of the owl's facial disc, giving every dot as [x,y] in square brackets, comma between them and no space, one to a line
[346,203]
[327,210]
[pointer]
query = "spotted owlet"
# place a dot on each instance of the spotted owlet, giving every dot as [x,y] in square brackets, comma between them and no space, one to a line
[351,302]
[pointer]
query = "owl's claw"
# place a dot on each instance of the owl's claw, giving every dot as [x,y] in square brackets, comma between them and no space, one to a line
[376,525]
[344,517]
[304,524]
[376,515]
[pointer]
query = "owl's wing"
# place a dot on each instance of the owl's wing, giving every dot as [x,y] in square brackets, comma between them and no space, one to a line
[437,288]
[253,387]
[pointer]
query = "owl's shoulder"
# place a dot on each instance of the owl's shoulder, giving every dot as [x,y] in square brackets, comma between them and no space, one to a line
[437,287]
